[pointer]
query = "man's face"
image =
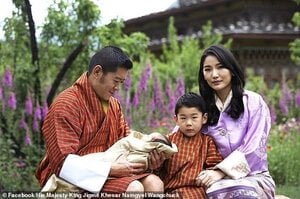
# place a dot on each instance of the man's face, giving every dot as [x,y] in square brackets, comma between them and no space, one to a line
[105,85]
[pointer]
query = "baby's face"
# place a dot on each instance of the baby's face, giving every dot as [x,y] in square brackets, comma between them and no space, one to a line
[156,136]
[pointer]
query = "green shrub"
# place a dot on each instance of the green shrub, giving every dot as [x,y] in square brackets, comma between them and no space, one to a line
[283,156]
[289,191]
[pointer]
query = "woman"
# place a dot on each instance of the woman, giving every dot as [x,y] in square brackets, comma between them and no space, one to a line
[239,121]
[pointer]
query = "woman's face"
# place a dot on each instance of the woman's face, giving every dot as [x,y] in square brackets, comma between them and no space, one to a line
[217,76]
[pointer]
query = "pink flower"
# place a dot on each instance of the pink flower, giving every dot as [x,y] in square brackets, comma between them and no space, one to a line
[27,139]
[44,110]
[38,113]
[7,78]
[20,163]
[28,105]
[12,101]
[297,98]
[1,93]
[35,125]
[23,124]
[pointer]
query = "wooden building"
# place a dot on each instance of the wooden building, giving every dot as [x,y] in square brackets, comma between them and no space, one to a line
[261,30]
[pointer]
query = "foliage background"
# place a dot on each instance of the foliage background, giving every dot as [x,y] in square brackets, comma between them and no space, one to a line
[31,77]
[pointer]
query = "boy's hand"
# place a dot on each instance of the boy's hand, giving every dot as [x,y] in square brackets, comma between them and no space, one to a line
[208,177]
[155,159]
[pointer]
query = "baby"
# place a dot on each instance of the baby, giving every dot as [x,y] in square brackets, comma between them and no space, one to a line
[136,148]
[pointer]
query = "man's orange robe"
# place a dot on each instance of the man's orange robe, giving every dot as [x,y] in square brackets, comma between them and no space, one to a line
[77,124]
[181,170]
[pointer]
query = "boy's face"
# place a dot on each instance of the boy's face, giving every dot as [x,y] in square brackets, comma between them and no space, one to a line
[190,120]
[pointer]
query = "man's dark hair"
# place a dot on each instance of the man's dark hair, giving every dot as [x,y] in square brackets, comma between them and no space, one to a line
[110,58]
[191,100]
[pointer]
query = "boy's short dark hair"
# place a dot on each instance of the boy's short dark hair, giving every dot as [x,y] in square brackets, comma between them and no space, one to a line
[191,100]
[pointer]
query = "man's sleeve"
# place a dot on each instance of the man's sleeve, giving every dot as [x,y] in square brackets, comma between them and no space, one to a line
[84,172]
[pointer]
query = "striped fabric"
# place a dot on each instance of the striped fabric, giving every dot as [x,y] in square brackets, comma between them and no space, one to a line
[77,124]
[194,155]
[119,185]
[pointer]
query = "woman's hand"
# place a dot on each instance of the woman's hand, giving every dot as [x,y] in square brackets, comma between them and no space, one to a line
[208,177]
[155,160]
[123,168]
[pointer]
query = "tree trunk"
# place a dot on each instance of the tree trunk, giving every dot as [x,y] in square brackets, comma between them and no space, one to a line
[67,64]
[34,53]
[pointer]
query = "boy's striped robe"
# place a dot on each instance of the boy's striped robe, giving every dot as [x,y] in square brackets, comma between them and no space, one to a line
[77,124]
[181,170]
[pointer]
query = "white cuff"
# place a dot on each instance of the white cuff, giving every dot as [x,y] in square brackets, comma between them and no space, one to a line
[87,172]
[235,165]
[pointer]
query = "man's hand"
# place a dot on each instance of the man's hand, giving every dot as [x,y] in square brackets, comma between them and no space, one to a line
[122,168]
[155,160]
[208,177]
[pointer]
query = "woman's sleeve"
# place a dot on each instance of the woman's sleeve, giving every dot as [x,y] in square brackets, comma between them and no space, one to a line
[258,128]
[236,165]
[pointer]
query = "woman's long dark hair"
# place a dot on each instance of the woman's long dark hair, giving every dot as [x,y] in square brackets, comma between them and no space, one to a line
[226,58]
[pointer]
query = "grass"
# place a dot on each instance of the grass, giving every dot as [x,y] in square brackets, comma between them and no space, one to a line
[292,192]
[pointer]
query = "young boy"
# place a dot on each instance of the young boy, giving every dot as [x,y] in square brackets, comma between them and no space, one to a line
[196,151]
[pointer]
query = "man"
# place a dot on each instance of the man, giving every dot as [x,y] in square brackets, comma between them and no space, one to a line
[86,118]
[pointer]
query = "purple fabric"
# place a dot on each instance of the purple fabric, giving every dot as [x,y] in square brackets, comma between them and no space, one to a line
[248,134]
[237,192]
[259,186]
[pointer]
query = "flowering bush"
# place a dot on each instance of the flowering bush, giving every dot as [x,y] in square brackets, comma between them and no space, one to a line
[20,137]
[284,147]
[151,107]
